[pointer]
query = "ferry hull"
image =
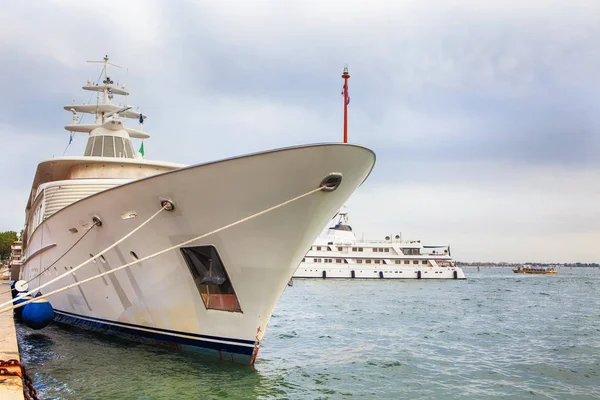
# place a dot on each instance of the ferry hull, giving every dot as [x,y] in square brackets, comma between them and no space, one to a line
[158,299]
[309,271]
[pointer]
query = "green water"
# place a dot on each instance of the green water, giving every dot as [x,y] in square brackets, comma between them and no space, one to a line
[496,335]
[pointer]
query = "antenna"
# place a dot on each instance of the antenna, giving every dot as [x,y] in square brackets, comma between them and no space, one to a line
[119,111]
[106,63]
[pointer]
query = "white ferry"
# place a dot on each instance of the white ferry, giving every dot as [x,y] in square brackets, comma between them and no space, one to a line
[337,253]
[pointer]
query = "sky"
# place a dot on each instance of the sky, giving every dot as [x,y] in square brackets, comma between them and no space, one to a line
[485,116]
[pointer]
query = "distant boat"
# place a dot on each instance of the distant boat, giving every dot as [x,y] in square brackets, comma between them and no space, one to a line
[535,269]
[337,253]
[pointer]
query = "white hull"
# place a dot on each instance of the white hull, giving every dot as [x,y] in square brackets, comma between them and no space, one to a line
[158,299]
[306,270]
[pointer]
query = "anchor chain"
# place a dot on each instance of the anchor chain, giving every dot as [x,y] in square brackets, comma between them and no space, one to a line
[15,368]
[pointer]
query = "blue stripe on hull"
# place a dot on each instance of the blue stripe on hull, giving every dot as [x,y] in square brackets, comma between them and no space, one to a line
[227,351]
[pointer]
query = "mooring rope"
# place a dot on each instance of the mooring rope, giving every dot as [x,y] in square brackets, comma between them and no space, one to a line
[112,271]
[91,258]
[58,259]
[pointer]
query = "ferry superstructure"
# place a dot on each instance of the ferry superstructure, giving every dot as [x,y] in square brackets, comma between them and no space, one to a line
[111,207]
[337,253]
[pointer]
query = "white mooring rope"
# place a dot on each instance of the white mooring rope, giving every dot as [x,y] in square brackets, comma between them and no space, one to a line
[89,259]
[112,271]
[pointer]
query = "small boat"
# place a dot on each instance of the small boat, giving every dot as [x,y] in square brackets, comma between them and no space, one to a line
[535,269]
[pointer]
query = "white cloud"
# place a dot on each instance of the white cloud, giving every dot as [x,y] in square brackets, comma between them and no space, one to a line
[512,83]
[513,214]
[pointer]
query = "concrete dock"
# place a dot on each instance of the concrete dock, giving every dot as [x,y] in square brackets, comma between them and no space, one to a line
[11,387]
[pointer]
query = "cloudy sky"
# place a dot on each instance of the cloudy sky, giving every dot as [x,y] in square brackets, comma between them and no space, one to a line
[485,116]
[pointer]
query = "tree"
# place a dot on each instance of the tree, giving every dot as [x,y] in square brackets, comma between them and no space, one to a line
[6,239]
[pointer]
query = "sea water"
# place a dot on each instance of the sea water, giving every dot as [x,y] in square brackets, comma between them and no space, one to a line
[495,335]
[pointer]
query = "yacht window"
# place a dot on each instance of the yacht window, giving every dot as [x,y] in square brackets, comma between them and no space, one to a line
[359,261]
[119,148]
[398,261]
[377,261]
[360,249]
[128,150]
[88,147]
[109,146]
[415,261]
[368,261]
[406,261]
[97,150]
[387,250]
[354,249]
[375,250]
[338,260]
[211,278]
[318,247]
[339,248]
[424,262]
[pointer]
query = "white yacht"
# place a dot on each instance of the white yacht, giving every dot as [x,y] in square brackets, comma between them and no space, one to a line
[250,220]
[337,253]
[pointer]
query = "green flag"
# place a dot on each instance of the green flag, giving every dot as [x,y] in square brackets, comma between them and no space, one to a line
[142,149]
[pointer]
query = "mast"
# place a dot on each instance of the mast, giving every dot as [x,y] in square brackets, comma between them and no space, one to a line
[107,113]
[346,76]
[108,136]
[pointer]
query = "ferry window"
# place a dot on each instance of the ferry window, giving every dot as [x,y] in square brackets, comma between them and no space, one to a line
[387,250]
[318,247]
[211,278]
[375,250]
[359,261]
[397,261]
[360,249]
[410,251]
[415,261]
[424,262]
[368,261]
[354,249]
[377,261]
[339,248]
[338,260]
[406,261]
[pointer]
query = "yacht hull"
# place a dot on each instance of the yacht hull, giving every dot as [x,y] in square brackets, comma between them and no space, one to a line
[158,299]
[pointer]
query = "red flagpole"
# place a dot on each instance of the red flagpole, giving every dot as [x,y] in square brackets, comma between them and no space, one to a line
[346,76]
